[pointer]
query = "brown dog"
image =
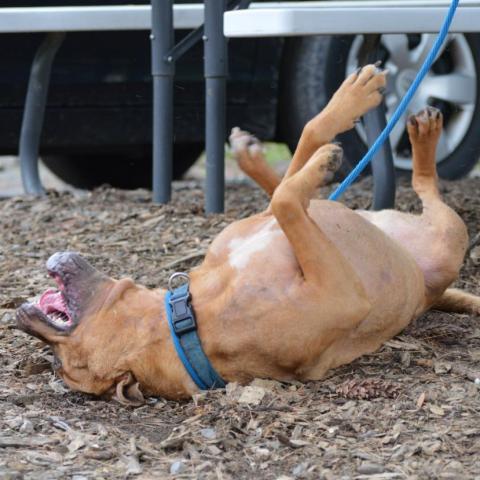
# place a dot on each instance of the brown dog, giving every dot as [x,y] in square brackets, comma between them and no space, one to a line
[289,293]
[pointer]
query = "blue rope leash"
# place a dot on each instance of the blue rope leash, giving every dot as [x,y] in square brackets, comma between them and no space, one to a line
[402,107]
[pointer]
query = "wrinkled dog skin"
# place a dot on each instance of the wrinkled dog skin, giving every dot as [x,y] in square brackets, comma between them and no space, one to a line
[303,287]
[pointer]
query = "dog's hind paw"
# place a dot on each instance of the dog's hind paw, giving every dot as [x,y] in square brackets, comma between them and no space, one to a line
[246,149]
[425,126]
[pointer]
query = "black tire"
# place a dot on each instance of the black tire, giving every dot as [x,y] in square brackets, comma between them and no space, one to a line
[313,69]
[120,171]
[311,72]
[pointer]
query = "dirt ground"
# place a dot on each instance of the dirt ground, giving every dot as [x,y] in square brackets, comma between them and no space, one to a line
[411,410]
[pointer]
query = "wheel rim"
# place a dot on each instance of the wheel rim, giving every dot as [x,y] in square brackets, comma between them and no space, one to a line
[451,86]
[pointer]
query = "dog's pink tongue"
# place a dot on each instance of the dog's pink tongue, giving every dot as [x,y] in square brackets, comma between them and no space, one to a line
[52,301]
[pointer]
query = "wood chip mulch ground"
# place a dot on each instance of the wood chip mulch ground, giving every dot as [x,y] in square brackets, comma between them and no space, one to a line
[411,410]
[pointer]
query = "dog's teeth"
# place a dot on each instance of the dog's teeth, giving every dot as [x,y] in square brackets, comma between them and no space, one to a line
[57,318]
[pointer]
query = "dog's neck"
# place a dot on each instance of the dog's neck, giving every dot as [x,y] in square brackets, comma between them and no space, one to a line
[161,371]
[176,382]
[154,361]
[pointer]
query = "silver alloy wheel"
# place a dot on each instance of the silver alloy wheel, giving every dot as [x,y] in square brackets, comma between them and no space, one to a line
[456,89]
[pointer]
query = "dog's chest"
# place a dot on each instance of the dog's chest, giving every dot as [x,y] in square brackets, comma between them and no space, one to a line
[244,249]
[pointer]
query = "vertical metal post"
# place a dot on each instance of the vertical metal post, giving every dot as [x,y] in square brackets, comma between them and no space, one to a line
[383,169]
[215,68]
[34,112]
[163,71]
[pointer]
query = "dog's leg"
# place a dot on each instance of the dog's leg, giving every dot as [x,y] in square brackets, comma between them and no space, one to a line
[313,250]
[441,246]
[458,301]
[424,130]
[248,153]
[360,92]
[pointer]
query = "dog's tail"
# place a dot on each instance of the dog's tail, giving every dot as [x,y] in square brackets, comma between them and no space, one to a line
[458,301]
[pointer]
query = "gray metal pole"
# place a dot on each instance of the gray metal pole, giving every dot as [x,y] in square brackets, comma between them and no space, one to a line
[215,66]
[34,112]
[383,169]
[163,71]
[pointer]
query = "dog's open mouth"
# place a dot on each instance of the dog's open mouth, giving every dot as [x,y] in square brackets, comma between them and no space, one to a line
[60,309]
[53,309]
[53,304]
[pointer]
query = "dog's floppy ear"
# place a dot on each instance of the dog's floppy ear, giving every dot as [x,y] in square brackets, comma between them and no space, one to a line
[127,391]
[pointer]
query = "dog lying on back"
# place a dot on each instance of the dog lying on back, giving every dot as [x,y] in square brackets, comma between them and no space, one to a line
[303,287]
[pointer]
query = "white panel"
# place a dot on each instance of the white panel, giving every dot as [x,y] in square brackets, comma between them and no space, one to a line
[122,17]
[313,18]
[261,19]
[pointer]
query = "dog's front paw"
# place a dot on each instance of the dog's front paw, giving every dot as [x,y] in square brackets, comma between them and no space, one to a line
[325,162]
[360,92]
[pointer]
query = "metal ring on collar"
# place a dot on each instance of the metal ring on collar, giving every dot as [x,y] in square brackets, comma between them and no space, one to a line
[175,276]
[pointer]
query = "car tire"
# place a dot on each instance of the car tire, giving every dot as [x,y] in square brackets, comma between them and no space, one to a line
[125,171]
[314,67]
[308,78]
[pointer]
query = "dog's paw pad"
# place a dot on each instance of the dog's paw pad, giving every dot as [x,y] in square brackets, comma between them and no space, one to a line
[335,159]
[331,159]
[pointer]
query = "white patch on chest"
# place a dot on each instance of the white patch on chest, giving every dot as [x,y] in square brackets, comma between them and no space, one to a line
[242,248]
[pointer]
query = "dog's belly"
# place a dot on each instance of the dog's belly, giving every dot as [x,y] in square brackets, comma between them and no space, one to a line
[255,251]
[265,313]
[438,247]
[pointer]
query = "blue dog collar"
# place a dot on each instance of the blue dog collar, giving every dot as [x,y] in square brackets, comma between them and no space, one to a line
[183,328]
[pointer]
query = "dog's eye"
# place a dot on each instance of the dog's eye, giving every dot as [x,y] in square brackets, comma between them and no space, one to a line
[57,363]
